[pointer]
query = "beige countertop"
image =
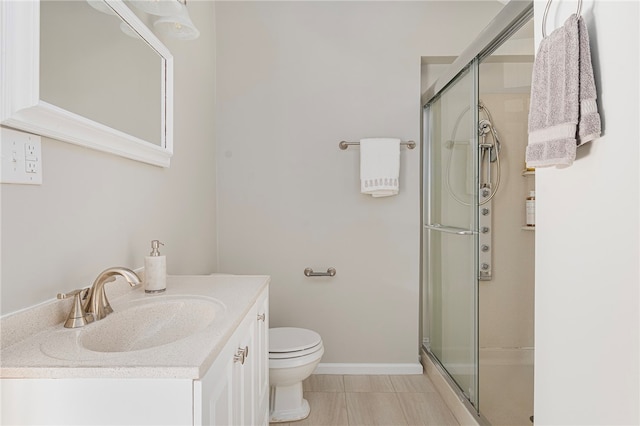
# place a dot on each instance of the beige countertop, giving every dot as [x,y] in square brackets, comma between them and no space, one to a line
[43,348]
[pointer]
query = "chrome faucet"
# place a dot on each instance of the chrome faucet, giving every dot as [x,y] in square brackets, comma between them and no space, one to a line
[97,303]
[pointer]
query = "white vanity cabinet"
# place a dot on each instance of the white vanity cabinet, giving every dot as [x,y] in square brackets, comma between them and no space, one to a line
[173,389]
[235,390]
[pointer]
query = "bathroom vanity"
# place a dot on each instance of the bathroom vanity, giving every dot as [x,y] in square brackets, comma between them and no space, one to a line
[196,354]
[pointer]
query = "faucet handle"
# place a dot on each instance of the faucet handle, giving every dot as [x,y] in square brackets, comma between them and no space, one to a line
[71,293]
[77,317]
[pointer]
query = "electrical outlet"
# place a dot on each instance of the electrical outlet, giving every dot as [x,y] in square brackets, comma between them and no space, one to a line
[30,151]
[21,155]
[31,167]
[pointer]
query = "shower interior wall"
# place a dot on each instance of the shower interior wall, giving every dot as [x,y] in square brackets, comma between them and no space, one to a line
[506,302]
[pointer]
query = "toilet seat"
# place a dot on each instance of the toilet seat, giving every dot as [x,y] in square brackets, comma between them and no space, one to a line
[295,354]
[291,342]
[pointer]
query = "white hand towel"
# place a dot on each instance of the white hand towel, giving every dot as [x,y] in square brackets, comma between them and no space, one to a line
[379,166]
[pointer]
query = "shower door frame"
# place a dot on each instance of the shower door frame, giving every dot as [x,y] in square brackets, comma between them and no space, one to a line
[510,19]
[460,350]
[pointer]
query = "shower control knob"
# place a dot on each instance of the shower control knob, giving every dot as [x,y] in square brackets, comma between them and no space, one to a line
[485,211]
[485,229]
[484,267]
[484,248]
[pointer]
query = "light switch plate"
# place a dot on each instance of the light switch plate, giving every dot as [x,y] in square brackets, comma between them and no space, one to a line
[21,155]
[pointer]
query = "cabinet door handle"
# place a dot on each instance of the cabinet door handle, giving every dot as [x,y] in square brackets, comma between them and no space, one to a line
[262,317]
[241,355]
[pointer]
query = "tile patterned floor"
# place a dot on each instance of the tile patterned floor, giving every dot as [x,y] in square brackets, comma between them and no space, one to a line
[373,400]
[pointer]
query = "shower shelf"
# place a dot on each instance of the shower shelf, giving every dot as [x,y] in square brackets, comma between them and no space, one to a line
[528,172]
[528,228]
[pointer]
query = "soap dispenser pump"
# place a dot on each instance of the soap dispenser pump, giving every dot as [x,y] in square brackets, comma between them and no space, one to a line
[155,270]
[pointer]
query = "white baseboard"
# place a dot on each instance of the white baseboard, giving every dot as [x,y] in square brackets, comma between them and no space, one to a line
[356,368]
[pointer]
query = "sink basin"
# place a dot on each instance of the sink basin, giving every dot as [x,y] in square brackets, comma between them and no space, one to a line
[147,323]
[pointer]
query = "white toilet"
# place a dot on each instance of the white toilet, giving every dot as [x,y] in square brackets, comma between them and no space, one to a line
[293,355]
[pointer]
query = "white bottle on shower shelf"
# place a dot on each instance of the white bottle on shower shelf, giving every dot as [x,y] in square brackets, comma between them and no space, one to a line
[155,270]
[530,208]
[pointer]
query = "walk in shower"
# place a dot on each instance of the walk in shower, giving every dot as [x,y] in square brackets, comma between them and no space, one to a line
[477,255]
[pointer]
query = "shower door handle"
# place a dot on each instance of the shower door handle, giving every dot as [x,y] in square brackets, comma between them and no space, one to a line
[450,229]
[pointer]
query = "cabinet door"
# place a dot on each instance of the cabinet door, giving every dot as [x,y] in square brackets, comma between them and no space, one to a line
[222,388]
[255,372]
[262,362]
[213,394]
[235,390]
[221,393]
[244,376]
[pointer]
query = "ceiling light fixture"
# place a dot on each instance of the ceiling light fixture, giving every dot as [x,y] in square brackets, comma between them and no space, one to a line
[101,6]
[158,7]
[178,25]
[174,18]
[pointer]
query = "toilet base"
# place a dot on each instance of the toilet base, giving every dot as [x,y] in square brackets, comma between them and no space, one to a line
[287,404]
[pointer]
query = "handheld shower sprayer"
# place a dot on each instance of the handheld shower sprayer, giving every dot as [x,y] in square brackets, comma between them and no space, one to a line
[489,152]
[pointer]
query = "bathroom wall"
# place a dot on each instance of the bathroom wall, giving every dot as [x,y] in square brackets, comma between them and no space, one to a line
[294,79]
[96,210]
[587,242]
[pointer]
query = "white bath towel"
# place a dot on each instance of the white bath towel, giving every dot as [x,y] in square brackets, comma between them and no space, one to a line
[563,113]
[379,166]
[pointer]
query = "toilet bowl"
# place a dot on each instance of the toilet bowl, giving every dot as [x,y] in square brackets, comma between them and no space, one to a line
[294,354]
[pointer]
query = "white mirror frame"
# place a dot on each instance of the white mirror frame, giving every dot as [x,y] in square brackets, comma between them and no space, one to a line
[22,108]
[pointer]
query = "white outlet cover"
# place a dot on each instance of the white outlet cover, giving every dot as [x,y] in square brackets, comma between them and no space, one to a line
[21,155]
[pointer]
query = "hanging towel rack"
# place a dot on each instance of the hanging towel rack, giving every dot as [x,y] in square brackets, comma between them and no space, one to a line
[546,12]
[344,144]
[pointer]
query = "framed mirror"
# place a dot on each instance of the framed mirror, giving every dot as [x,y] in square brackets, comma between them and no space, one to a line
[88,72]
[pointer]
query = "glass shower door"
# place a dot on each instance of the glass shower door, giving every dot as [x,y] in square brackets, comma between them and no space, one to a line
[450,234]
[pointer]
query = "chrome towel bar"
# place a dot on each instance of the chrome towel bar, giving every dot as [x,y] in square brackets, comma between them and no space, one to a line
[308,272]
[450,229]
[344,144]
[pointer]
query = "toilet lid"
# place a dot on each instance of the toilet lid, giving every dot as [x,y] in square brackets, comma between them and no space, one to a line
[290,339]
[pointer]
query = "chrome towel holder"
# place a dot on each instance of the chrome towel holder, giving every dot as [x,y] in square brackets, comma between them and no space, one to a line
[546,12]
[308,272]
[344,144]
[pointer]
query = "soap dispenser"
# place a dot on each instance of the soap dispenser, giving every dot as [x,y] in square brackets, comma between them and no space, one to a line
[155,270]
